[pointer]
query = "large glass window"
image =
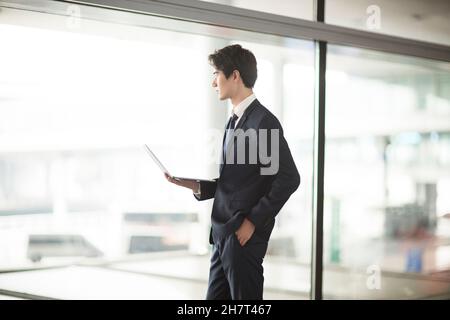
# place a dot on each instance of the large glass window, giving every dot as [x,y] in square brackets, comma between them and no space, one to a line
[83,88]
[80,95]
[386,220]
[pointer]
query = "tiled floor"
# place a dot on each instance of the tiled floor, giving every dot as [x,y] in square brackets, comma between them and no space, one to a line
[185,277]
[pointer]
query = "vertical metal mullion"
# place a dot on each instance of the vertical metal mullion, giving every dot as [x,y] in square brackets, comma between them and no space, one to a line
[319,160]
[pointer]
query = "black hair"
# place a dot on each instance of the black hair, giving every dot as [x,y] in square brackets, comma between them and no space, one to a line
[234,57]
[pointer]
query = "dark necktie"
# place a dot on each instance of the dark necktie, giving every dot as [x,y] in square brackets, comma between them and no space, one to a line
[229,134]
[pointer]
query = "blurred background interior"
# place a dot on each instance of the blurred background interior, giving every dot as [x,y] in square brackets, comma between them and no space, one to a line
[85,213]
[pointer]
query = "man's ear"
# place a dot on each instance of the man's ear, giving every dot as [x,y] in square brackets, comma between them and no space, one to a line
[236,74]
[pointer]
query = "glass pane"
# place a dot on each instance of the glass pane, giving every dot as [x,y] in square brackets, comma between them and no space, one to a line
[301,9]
[76,184]
[416,19]
[386,218]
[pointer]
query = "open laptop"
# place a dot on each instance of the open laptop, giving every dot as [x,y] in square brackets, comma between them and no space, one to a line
[163,169]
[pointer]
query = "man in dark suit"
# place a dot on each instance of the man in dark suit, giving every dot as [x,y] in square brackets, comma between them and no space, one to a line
[252,186]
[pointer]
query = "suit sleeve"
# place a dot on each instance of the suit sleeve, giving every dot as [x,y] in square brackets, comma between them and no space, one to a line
[285,181]
[207,190]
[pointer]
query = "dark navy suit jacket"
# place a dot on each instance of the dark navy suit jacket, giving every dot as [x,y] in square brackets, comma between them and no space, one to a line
[241,190]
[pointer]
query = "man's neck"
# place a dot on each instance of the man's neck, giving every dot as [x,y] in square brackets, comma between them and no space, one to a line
[241,97]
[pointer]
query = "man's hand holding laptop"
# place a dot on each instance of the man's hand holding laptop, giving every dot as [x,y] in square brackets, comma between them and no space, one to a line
[193,185]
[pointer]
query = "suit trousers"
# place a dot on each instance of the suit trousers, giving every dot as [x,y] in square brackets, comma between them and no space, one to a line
[236,271]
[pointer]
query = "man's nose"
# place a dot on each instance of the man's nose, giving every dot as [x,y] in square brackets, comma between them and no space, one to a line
[214,83]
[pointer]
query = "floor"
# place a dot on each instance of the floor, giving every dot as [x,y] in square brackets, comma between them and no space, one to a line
[163,278]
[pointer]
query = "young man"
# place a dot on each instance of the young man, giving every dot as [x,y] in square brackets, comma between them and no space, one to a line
[248,194]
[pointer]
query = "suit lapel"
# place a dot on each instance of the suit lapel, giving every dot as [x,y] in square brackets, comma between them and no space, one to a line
[238,126]
[246,114]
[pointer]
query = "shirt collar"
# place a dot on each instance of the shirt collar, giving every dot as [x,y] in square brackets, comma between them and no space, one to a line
[240,108]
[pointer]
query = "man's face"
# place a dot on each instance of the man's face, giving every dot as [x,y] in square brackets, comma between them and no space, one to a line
[224,87]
